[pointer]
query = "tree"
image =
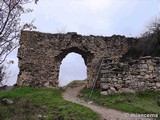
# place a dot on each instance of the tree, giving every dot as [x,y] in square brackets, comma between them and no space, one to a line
[2,74]
[153,28]
[146,45]
[10,27]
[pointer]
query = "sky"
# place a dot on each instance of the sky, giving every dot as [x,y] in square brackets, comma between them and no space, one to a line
[86,17]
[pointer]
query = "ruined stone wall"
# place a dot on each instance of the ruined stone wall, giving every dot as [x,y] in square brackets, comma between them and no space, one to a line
[133,76]
[40,55]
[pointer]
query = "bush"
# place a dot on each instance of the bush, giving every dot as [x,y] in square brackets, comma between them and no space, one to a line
[144,46]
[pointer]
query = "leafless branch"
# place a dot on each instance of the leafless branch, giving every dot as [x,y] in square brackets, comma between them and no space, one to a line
[10,27]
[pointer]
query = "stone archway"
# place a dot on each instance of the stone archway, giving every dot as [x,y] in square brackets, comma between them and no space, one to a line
[87,56]
[40,55]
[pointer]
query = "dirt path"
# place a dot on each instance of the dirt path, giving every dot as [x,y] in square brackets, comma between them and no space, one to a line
[71,93]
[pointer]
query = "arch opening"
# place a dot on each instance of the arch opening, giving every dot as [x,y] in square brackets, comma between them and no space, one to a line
[72,68]
[85,55]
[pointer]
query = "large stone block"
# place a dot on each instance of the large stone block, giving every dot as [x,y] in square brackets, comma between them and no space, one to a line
[158,85]
[144,66]
[104,86]
[151,68]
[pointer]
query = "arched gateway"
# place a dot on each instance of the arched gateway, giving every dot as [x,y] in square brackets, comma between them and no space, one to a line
[40,55]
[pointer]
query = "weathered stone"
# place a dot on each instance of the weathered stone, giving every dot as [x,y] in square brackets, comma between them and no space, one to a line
[120,78]
[128,82]
[143,70]
[142,73]
[90,102]
[106,80]
[142,83]
[150,80]
[146,76]
[139,76]
[104,93]
[144,66]
[112,89]
[151,68]
[114,80]
[158,85]
[148,85]
[149,61]
[134,73]
[103,71]
[151,76]
[118,86]
[157,80]
[142,61]
[149,72]
[146,57]
[39,116]
[154,87]
[103,80]
[120,81]
[127,90]
[104,86]
[7,101]
[120,75]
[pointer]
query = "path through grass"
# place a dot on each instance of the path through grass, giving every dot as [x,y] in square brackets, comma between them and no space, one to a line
[140,102]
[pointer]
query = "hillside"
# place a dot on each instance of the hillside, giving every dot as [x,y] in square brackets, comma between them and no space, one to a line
[40,104]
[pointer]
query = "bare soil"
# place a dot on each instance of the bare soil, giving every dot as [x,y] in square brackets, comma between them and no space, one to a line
[71,94]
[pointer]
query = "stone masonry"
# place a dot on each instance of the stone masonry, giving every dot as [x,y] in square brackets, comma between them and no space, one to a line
[131,76]
[40,56]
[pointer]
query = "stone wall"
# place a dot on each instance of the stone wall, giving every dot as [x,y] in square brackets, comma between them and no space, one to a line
[40,55]
[132,76]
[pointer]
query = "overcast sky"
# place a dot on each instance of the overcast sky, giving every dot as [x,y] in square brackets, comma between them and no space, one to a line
[96,17]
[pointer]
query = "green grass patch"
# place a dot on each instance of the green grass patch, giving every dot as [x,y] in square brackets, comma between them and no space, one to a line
[140,102]
[41,103]
[75,83]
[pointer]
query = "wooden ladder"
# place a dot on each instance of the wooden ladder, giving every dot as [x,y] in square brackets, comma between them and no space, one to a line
[97,76]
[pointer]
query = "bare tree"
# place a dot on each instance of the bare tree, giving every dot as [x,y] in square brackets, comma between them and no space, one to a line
[10,27]
[152,28]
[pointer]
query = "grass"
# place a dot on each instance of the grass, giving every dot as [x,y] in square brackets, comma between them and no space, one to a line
[75,83]
[140,102]
[41,104]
